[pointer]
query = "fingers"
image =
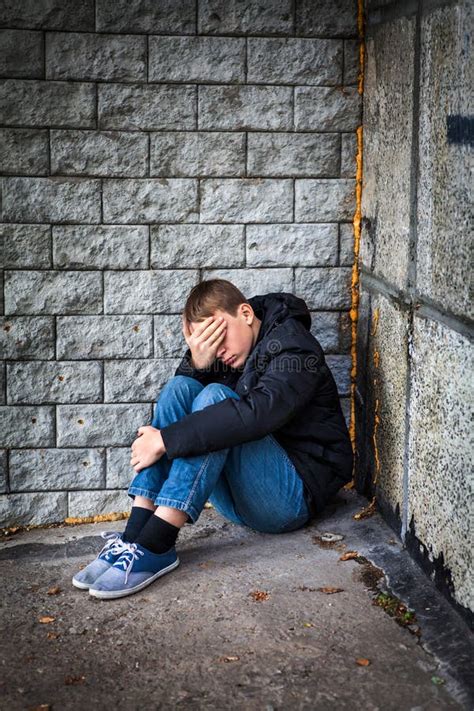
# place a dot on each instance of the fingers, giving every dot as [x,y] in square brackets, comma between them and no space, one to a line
[210,329]
[199,330]
[218,334]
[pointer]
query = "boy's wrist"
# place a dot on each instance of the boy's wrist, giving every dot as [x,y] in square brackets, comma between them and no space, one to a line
[160,444]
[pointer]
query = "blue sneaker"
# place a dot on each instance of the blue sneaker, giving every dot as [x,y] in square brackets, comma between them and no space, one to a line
[106,558]
[136,568]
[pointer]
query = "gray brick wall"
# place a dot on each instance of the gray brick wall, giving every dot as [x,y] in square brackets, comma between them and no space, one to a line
[145,146]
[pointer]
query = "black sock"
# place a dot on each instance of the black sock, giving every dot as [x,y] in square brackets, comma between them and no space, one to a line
[138,518]
[158,535]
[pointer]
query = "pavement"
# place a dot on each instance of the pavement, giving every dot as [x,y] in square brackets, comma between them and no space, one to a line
[302,620]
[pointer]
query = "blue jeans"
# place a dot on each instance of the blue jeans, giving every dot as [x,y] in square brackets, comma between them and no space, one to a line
[252,484]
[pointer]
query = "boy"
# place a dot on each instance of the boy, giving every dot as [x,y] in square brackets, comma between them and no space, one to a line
[251,421]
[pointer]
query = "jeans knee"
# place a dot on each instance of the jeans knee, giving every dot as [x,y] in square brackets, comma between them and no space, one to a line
[179,383]
[214,392]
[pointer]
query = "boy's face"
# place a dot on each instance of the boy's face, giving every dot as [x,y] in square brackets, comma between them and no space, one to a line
[240,336]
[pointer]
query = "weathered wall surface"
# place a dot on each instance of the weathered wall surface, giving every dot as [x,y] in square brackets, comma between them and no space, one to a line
[145,146]
[415,395]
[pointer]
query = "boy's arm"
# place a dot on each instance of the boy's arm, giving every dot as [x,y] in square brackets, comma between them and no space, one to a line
[290,381]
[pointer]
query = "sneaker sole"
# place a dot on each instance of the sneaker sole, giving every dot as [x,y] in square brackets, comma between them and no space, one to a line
[81,586]
[110,594]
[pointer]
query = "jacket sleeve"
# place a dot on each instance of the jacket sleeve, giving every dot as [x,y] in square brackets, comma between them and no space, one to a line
[290,381]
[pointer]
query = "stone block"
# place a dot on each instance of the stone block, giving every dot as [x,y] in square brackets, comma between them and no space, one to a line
[168,336]
[99,153]
[240,108]
[324,287]
[27,426]
[351,61]
[322,108]
[53,469]
[325,328]
[75,15]
[93,503]
[348,155]
[440,480]
[147,291]
[73,200]
[100,425]
[25,246]
[27,337]
[387,400]
[52,292]
[274,60]
[340,367]
[196,59]
[3,471]
[197,154]
[148,16]
[100,247]
[246,200]
[24,151]
[104,337]
[119,470]
[21,54]
[346,251]
[245,17]
[53,103]
[44,382]
[293,154]
[197,246]
[388,116]
[254,281]
[137,380]
[95,57]
[152,200]
[322,200]
[32,509]
[445,215]
[291,245]
[147,107]
[326,18]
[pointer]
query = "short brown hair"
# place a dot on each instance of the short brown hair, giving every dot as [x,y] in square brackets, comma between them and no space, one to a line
[210,295]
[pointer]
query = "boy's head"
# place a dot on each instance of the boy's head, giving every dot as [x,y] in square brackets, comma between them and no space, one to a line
[219,297]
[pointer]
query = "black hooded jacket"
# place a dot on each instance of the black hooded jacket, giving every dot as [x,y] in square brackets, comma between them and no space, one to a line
[286,389]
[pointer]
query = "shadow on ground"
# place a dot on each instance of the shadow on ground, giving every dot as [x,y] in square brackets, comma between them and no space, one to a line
[247,621]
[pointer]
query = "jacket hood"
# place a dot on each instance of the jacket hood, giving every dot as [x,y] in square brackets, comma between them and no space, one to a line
[277,307]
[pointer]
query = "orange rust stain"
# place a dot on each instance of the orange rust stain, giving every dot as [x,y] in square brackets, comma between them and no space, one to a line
[117,516]
[354,310]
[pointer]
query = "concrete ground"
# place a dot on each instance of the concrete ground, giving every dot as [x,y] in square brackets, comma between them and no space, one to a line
[247,621]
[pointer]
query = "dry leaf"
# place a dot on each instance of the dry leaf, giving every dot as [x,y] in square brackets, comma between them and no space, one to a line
[308,624]
[259,595]
[46,620]
[229,658]
[328,590]
[52,635]
[348,555]
[362,661]
[68,680]
[206,564]
[55,590]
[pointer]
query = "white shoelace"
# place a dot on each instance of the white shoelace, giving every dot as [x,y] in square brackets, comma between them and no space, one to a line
[129,555]
[114,545]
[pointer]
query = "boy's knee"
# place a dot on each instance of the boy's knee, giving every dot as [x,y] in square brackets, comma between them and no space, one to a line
[214,392]
[179,382]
